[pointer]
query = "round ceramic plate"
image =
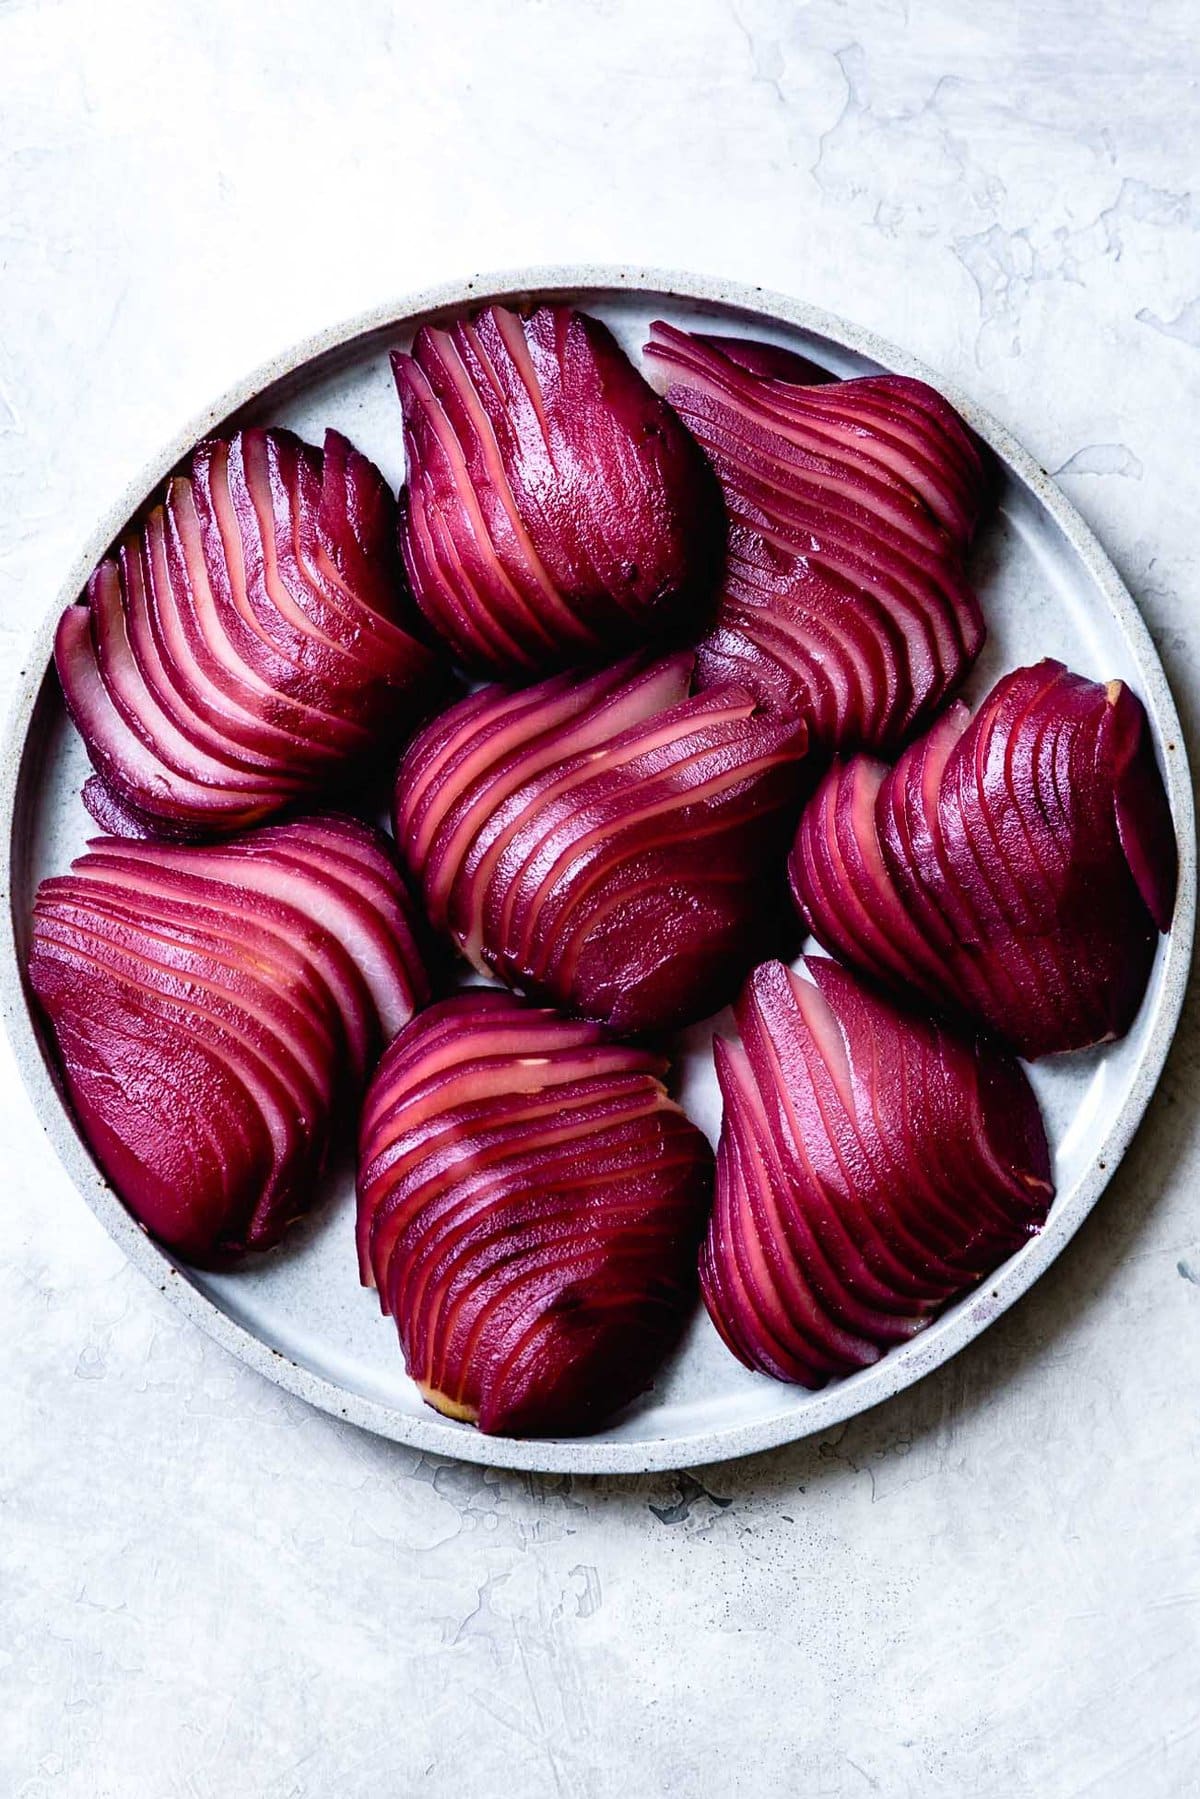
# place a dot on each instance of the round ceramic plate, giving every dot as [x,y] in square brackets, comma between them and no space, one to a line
[298,1315]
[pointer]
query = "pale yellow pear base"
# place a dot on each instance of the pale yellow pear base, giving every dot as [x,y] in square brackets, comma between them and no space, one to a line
[449,1408]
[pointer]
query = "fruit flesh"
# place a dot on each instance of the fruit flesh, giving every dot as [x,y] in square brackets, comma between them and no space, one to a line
[530,1202]
[1013,867]
[872,1166]
[210,1025]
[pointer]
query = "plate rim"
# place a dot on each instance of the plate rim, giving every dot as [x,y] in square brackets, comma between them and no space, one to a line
[835,1404]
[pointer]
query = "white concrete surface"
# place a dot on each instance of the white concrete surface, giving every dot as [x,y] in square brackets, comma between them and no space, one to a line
[991,1586]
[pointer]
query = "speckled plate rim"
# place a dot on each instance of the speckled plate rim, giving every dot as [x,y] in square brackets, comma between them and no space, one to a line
[842,1400]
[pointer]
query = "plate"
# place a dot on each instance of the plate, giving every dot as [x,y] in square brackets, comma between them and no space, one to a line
[299,1316]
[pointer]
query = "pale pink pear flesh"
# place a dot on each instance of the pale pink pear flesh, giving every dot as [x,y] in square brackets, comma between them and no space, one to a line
[217,1009]
[852,505]
[250,643]
[557,514]
[609,845]
[873,1165]
[530,1203]
[1014,867]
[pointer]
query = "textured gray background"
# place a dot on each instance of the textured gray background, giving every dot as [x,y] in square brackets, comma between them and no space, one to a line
[992,1585]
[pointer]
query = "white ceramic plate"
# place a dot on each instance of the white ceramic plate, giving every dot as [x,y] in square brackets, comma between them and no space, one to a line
[298,1315]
